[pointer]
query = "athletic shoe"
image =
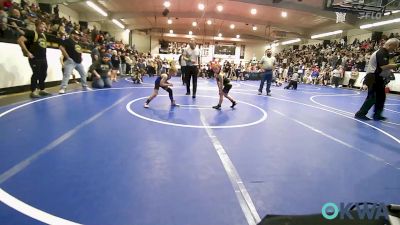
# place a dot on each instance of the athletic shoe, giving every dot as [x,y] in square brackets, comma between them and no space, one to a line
[259,93]
[188,93]
[378,118]
[44,93]
[217,107]
[194,96]
[233,104]
[146,105]
[34,95]
[268,94]
[174,104]
[361,117]
[61,91]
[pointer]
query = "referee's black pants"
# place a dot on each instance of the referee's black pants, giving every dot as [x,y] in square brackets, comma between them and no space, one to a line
[376,96]
[191,72]
[39,69]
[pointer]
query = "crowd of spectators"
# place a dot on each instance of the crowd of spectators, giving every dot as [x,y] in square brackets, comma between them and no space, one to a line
[315,64]
[326,64]
[16,18]
[323,64]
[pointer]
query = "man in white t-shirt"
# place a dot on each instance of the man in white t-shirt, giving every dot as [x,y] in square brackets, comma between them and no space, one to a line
[192,58]
[336,76]
[267,65]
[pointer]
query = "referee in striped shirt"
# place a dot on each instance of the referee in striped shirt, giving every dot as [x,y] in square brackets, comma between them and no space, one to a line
[378,63]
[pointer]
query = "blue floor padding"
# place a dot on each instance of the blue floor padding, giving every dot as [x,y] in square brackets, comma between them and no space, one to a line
[112,167]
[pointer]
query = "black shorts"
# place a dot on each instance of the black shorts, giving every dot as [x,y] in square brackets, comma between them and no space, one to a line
[157,83]
[227,88]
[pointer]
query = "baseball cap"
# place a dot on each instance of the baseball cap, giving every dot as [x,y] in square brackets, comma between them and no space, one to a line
[106,55]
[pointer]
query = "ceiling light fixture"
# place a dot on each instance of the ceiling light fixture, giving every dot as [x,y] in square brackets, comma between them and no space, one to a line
[209,22]
[219,35]
[116,22]
[201,6]
[391,12]
[381,23]
[254,28]
[253,11]
[190,33]
[220,7]
[169,21]
[171,31]
[232,26]
[291,41]
[167,4]
[238,36]
[284,14]
[194,24]
[96,8]
[327,34]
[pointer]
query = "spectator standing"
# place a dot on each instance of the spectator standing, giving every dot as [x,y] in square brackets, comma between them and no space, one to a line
[267,65]
[72,53]
[182,63]
[115,62]
[34,46]
[336,75]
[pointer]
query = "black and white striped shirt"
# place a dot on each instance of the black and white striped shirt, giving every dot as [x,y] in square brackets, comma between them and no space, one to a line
[378,59]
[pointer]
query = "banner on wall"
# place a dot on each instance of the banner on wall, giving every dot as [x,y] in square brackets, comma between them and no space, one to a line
[225,49]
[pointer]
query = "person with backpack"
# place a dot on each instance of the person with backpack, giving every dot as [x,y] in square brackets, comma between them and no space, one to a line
[33,45]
